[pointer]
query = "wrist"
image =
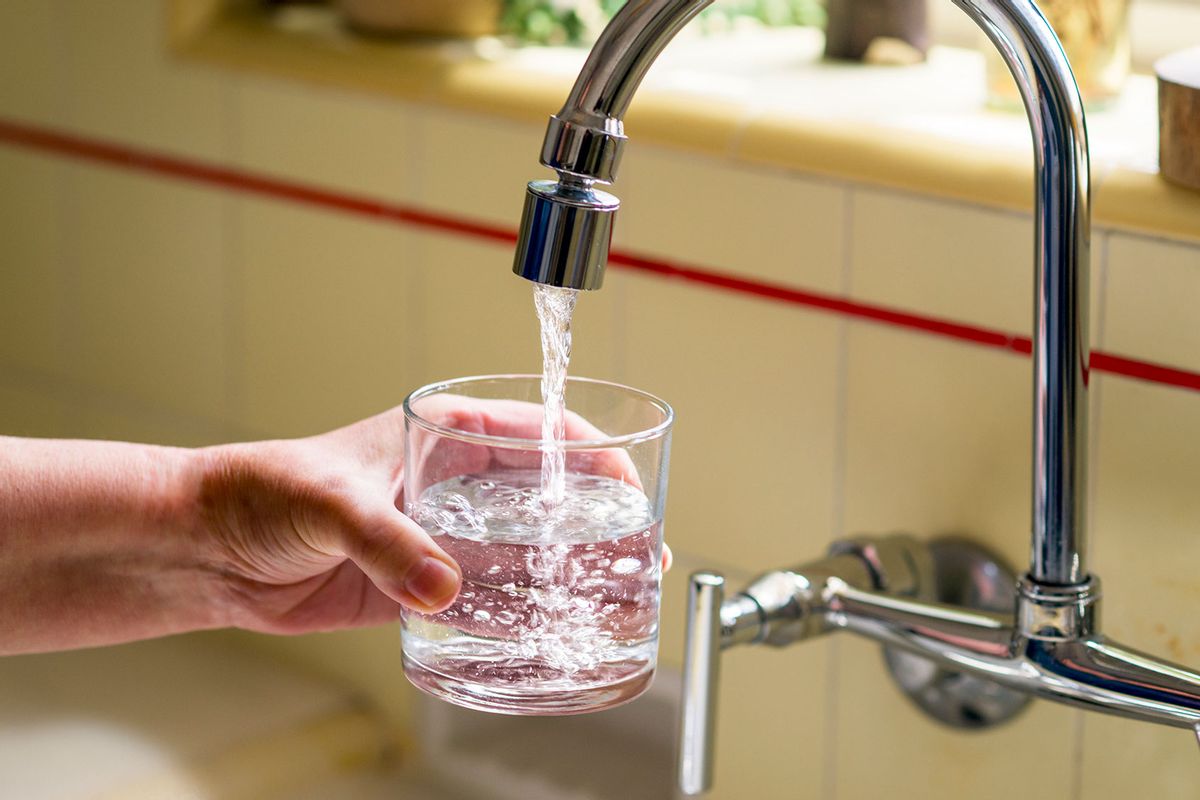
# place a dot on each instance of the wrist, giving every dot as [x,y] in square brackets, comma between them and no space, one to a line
[186,574]
[206,510]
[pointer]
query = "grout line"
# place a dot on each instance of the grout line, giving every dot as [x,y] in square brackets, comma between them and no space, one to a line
[70,338]
[1077,756]
[232,262]
[1096,405]
[1079,730]
[420,367]
[254,184]
[64,262]
[829,776]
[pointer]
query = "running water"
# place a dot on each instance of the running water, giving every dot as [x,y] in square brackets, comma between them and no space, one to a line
[554,310]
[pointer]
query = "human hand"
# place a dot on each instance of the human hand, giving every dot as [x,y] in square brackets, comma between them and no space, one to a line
[308,534]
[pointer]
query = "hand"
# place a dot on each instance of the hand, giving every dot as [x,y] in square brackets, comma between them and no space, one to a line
[308,534]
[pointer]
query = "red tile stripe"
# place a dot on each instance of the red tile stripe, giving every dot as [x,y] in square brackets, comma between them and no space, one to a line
[74,146]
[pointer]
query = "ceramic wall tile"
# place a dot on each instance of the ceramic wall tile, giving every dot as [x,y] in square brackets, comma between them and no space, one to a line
[773,740]
[476,167]
[125,85]
[1123,758]
[597,332]
[887,747]
[952,260]
[478,318]
[148,298]
[1145,539]
[360,144]
[325,308]
[938,440]
[753,387]
[117,421]
[32,411]
[32,72]
[32,270]
[1153,292]
[949,260]
[754,223]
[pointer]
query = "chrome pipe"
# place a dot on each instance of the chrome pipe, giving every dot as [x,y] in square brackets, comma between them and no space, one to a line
[1099,675]
[921,627]
[1094,673]
[1062,214]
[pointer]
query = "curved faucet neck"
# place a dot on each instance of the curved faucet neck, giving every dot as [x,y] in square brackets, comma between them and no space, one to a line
[584,141]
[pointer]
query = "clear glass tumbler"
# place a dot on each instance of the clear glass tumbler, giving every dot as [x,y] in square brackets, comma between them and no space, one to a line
[558,612]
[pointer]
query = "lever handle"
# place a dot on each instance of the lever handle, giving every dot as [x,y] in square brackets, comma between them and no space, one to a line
[701,666]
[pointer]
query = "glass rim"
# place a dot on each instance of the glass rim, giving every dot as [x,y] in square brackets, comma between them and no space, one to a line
[519,443]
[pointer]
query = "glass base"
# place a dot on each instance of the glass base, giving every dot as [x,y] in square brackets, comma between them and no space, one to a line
[528,701]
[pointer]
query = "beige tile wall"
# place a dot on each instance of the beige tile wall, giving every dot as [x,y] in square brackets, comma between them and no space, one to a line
[143,308]
[34,323]
[33,67]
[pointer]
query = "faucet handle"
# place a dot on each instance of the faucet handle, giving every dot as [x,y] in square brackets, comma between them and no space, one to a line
[701,666]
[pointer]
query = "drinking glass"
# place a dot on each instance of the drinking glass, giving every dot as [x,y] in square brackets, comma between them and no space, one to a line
[558,612]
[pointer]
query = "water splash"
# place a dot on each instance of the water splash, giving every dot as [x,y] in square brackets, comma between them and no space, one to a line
[564,600]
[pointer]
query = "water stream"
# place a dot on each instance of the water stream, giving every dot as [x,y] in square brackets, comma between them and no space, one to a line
[555,308]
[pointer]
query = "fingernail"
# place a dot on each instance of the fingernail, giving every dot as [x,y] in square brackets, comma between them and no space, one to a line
[432,582]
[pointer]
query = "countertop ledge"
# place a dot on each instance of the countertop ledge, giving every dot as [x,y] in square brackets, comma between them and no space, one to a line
[757,97]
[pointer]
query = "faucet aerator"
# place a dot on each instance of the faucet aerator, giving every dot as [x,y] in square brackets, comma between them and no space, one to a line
[566,229]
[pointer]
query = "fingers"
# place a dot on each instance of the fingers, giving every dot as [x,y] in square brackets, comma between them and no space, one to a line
[439,459]
[401,560]
[513,419]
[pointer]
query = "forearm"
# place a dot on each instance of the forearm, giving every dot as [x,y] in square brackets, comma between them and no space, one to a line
[100,543]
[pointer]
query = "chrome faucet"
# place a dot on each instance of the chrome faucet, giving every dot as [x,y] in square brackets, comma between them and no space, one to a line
[975,663]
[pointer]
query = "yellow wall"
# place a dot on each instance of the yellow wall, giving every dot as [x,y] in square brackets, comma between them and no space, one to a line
[143,307]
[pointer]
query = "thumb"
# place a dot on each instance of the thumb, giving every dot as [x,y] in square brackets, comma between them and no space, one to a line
[402,560]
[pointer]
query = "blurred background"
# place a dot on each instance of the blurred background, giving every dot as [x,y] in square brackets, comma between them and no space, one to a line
[226,220]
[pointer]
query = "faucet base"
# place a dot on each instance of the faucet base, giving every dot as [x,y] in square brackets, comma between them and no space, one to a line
[968,576]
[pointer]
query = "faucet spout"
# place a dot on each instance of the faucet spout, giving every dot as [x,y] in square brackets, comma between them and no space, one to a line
[1061,659]
[585,138]
[1101,675]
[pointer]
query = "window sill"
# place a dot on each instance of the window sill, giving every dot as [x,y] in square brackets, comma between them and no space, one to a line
[762,97]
